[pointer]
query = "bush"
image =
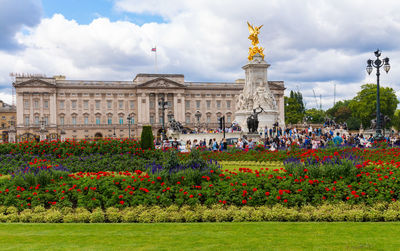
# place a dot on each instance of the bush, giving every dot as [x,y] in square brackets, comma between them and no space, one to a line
[146,138]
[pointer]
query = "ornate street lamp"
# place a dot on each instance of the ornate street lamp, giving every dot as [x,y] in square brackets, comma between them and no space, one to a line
[198,116]
[129,118]
[162,104]
[114,135]
[386,66]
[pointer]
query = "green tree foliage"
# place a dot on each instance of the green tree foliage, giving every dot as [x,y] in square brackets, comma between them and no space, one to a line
[396,120]
[146,139]
[363,106]
[294,108]
[315,116]
[340,112]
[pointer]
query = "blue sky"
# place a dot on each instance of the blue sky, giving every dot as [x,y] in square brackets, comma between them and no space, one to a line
[84,11]
[311,44]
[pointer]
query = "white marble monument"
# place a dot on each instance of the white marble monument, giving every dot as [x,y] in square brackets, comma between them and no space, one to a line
[257,94]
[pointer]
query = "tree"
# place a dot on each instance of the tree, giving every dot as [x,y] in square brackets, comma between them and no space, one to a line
[363,106]
[294,108]
[315,116]
[146,138]
[340,112]
[396,120]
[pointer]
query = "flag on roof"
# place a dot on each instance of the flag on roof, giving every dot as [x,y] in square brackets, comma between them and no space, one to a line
[154,49]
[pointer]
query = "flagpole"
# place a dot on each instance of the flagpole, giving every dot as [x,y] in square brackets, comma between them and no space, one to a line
[155,59]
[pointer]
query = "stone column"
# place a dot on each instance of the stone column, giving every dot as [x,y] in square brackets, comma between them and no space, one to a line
[147,108]
[175,98]
[157,110]
[53,110]
[20,110]
[31,121]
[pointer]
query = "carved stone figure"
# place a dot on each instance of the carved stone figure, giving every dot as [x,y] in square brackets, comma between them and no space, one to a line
[252,121]
[175,125]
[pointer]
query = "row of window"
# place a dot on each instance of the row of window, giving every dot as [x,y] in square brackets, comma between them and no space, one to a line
[36,104]
[208,104]
[85,120]
[97,104]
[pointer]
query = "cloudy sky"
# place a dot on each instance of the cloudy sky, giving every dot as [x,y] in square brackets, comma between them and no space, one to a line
[311,44]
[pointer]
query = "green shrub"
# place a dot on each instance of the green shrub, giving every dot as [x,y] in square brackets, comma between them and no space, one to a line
[390,215]
[53,216]
[97,216]
[26,215]
[38,218]
[69,218]
[146,138]
[82,215]
[113,215]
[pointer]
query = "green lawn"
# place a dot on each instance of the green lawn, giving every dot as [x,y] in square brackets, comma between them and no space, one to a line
[201,236]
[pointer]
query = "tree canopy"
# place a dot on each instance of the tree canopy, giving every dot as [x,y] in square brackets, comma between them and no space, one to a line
[363,106]
[294,108]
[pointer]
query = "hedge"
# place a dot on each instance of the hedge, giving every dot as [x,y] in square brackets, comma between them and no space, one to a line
[216,213]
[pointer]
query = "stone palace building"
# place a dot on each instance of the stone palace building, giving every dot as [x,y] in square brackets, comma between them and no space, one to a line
[82,109]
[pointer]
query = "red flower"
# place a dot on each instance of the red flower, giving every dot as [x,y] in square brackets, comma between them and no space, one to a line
[121,202]
[244,201]
[278,197]
[267,193]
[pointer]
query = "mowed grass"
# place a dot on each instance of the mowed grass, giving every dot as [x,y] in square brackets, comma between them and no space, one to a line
[235,165]
[202,236]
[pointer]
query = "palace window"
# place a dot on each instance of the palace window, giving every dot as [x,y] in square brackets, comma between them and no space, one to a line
[36,104]
[208,104]
[151,119]
[61,120]
[121,120]
[27,120]
[121,104]
[131,104]
[61,104]
[208,118]
[46,120]
[26,104]
[73,104]
[109,120]
[46,104]
[228,104]
[97,120]
[109,104]
[228,118]
[151,104]
[198,104]
[97,104]
[187,119]
[36,120]
[85,104]
[86,120]
[74,120]
[187,104]
[218,103]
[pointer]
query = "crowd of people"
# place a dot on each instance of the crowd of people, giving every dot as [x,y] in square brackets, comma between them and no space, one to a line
[278,138]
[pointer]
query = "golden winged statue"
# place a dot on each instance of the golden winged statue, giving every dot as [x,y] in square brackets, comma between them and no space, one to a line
[254,31]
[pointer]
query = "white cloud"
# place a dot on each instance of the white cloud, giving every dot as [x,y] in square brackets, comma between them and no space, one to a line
[310,43]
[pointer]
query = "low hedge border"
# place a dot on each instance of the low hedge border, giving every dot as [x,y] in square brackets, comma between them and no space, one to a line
[216,213]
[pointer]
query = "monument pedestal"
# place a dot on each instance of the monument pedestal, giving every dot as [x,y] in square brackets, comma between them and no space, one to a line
[257,95]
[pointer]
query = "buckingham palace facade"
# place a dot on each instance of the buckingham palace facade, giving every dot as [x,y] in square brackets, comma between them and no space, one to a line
[82,109]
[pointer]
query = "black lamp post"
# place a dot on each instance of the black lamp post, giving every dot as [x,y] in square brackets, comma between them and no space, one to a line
[386,66]
[163,105]
[114,135]
[129,118]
